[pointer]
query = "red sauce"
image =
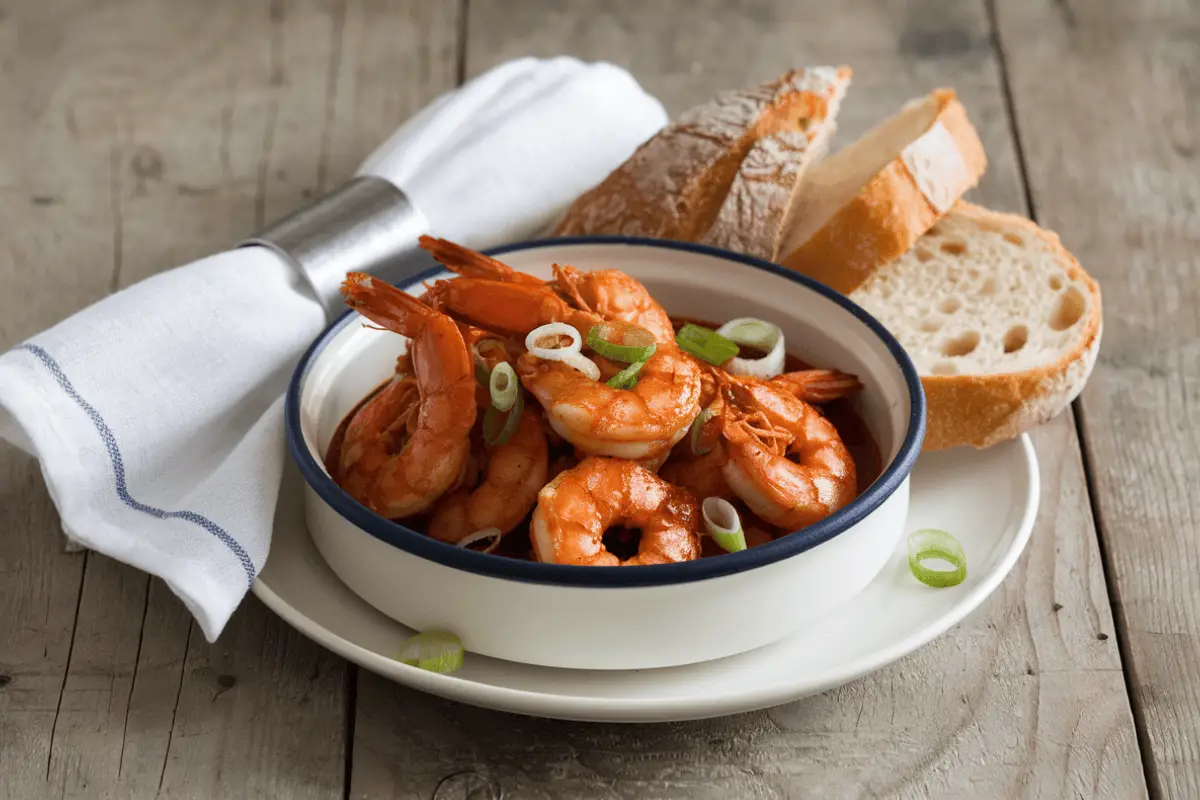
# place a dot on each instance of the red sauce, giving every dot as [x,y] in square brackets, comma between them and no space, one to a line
[516,544]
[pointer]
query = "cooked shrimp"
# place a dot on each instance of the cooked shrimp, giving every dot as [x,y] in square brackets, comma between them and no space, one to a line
[786,461]
[394,479]
[473,264]
[818,385]
[639,423]
[701,475]
[576,508]
[610,293]
[508,308]
[615,295]
[512,475]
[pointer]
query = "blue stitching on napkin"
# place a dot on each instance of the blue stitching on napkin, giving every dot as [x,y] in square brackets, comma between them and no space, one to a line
[118,463]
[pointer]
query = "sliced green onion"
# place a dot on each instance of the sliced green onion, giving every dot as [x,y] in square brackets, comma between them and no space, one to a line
[569,355]
[626,378]
[760,335]
[580,362]
[930,543]
[705,343]
[627,343]
[436,651]
[554,329]
[480,535]
[503,386]
[723,524]
[482,371]
[698,431]
[499,426]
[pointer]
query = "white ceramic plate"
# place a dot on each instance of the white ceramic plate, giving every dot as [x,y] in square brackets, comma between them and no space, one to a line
[988,499]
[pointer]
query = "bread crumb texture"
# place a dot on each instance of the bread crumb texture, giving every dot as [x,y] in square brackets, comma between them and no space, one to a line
[977,296]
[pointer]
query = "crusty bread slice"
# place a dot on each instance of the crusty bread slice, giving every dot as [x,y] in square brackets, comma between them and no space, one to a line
[673,186]
[751,217]
[1001,321]
[866,204]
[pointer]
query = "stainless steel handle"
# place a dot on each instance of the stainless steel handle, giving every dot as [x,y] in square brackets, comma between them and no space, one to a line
[365,225]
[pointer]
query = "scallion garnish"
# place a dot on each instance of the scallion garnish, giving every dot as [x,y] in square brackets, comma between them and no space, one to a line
[503,386]
[436,651]
[569,355]
[480,535]
[697,433]
[626,343]
[705,343]
[723,524]
[760,335]
[626,378]
[482,371]
[930,543]
[499,426]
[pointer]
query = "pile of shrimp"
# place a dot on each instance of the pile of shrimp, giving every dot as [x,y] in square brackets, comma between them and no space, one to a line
[583,458]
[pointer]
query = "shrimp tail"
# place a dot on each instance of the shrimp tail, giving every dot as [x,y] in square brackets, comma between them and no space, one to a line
[567,280]
[385,305]
[471,263]
[819,385]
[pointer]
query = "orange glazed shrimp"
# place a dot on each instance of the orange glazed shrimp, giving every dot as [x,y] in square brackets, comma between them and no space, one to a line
[512,476]
[615,295]
[394,479]
[767,427]
[703,474]
[507,308]
[639,423]
[610,293]
[576,508]
[818,385]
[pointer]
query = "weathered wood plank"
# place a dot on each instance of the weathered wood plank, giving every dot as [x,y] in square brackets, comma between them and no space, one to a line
[1107,96]
[1024,698]
[144,135]
[53,228]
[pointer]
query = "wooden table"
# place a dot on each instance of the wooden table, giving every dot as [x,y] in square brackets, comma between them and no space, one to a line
[138,135]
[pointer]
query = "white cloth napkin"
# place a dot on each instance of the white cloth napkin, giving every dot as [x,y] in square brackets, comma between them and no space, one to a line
[157,415]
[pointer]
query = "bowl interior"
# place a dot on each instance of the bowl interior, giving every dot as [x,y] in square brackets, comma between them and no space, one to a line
[356,359]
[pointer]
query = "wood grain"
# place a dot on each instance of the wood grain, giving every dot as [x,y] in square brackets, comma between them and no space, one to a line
[138,136]
[1113,148]
[1024,698]
[53,226]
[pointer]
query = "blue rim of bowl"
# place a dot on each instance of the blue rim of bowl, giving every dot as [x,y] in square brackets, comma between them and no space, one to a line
[420,545]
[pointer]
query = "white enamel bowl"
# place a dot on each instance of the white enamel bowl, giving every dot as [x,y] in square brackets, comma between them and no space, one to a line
[622,617]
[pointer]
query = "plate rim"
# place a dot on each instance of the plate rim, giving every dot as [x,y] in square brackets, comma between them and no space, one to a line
[637,710]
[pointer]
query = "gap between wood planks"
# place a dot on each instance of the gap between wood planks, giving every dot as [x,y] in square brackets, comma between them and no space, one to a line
[1149,767]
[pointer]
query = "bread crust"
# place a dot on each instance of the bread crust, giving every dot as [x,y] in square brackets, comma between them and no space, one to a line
[982,410]
[673,186]
[751,217]
[891,212]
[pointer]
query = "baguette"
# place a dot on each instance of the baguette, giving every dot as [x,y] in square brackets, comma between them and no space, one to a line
[752,214]
[1001,321]
[674,185]
[865,205]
